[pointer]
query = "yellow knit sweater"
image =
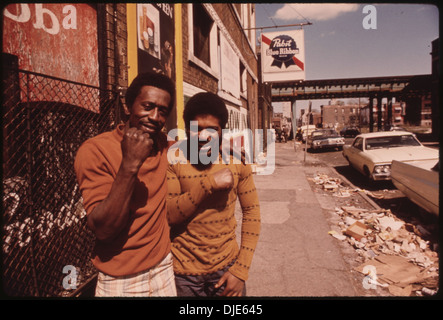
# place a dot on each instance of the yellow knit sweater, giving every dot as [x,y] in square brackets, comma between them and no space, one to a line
[206,242]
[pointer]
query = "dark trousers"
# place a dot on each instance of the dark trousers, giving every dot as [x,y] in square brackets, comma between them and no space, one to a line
[201,285]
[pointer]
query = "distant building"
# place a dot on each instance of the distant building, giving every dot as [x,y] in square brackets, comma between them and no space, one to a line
[398,110]
[398,113]
[339,116]
[426,111]
[279,120]
[315,118]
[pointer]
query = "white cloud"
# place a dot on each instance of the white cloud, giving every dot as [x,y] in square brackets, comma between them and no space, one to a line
[314,11]
[331,33]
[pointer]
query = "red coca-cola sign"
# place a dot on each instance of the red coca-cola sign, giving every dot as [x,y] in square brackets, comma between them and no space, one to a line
[54,39]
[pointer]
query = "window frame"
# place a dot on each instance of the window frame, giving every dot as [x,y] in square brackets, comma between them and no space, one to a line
[358,144]
[212,67]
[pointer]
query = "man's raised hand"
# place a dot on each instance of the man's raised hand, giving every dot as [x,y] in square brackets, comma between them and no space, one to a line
[136,148]
[224,179]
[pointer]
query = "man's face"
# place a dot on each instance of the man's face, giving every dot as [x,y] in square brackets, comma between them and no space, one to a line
[150,110]
[208,129]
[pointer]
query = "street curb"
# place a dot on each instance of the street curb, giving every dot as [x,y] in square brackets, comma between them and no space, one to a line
[363,195]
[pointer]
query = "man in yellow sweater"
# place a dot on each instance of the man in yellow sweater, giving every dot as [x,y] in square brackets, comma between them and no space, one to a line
[201,202]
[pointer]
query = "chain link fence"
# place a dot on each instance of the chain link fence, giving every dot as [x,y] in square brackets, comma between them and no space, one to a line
[45,241]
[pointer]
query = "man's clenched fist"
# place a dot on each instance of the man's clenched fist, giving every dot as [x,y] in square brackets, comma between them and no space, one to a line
[224,179]
[136,147]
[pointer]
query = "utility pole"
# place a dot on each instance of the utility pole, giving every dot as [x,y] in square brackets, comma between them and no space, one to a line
[308,120]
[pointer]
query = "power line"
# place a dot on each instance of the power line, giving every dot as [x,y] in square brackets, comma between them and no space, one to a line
[269,16]
[283,26]
[293,8]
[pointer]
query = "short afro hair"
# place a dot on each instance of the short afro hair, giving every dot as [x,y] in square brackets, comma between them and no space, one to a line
[153,79]
[205,103]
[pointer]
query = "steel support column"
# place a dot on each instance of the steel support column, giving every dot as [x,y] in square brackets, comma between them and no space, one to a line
[379,112]
[389,106]
[371,114]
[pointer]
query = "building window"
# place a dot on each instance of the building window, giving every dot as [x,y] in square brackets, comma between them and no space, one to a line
[243,80]
[202,25]
[246,15]
[202,39]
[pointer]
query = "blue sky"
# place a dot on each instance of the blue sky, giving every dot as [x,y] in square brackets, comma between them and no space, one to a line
[338,46]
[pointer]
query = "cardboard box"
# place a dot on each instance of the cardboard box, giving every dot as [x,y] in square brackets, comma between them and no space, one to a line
[356,230]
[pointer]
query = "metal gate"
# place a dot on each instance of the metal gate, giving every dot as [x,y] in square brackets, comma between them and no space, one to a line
[45,241]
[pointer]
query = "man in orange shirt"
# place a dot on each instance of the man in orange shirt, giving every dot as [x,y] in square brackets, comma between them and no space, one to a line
[122,177]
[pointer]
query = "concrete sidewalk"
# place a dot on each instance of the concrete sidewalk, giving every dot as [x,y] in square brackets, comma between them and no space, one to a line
[295,255]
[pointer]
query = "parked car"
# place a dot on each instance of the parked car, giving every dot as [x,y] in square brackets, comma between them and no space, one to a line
[304,130]
[325,139]
[372,153]
[349,132]
[419,181]
[394,128]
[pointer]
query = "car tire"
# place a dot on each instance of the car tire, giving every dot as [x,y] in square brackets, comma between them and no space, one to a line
[367,173]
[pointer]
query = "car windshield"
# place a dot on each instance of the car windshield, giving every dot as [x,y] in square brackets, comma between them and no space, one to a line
[324,133]
[391,142]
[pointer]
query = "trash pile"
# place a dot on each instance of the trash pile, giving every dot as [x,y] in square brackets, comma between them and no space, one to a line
[331,184]
[338,189]
[393,253]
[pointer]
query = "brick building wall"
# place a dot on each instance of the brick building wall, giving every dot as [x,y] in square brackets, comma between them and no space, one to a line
[198,78]
[340,115]
[113,45]
[229,14]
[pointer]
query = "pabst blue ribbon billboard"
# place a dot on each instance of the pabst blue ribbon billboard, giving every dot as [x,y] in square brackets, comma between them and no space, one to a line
[283,56]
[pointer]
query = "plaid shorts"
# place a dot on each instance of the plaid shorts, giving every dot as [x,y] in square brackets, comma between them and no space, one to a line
[155,282]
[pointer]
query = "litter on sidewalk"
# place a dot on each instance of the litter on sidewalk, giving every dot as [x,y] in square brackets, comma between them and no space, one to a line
[328,183]
[394,251]
[357,230]
[336,186]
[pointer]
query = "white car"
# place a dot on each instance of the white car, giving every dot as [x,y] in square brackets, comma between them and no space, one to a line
[419,181]
[306,130]
[372,153]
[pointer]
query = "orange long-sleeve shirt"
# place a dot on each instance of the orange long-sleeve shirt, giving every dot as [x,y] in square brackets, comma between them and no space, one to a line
[207,242]
[147,240]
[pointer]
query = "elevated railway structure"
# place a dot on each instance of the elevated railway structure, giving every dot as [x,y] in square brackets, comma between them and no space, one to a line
[410,89]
